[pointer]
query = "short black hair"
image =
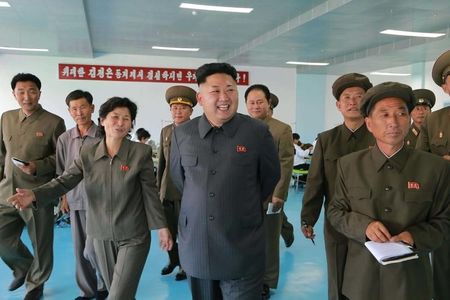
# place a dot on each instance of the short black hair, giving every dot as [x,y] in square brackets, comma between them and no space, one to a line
[260,87]
[25,77]
[295,136]
[141,133]
[113,103]
[213,68]
[78,94]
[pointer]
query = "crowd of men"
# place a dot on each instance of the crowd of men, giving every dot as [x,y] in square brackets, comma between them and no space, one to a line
[364,172]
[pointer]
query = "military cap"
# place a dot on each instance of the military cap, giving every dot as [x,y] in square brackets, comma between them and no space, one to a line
[441,68]
[350,80]
[387,90]
[424,97]
[180,94]
[273,100]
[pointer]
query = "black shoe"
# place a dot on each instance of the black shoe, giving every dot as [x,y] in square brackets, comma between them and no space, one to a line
[181,275]
[83,298]
[168,269]
[101,295]
[16,283]
[265,292]
[35,294]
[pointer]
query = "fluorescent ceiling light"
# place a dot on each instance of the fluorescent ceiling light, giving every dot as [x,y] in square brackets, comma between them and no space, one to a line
[412,33]
[4,4]
[242,10]
[23,49]
[175,48]
[304,63]
[389,74]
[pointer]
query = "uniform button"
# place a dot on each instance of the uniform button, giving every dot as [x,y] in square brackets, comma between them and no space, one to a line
[388,188]
[211,218]
[213,172]
[389,166]
[212,194]
[387,209]
[215,151]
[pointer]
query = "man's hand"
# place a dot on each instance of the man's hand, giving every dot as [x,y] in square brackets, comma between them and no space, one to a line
[22,199]
[29,168]
[404,237]
[308,231]
[446,157]
[277,203]
[64,205]
[377,232]
[165,239]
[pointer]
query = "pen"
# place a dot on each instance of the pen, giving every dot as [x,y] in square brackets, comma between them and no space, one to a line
[312,240]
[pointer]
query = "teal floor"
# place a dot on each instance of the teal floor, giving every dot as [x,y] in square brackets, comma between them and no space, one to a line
[302,276]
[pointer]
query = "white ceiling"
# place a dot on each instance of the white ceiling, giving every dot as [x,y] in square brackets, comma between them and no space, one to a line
[344,33]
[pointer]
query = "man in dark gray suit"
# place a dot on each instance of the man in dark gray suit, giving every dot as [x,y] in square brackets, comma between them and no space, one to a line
[226,165]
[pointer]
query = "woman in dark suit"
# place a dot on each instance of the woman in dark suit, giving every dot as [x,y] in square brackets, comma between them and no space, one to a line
[122,197]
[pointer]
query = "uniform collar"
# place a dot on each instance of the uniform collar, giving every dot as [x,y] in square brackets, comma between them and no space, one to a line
[398,161]
[101,151]
[34,115]
[92,132]
[229,128]
[358,133]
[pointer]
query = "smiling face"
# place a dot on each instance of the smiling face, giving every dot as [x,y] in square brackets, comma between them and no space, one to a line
[257,105]
[349,102]
[219,98]
[81,111]
[117,123]
[27,95]
[389,122]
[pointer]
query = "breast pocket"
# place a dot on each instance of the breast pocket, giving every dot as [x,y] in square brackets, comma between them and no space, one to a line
[189,160]
[418,197]
[439,146]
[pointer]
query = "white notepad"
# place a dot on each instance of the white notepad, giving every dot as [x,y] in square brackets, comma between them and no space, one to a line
[391,252]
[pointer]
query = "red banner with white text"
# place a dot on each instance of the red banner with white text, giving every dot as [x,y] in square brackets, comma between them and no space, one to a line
[134,74]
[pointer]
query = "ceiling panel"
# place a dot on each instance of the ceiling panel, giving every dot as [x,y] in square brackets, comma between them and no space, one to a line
[342,32]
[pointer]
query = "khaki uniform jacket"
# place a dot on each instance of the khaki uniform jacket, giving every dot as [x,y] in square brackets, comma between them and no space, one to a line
[371,187]
[225,174]
[411,137]
[30,138]
[122,196]
[167,189]
[330,146]
[282,137]
[435,134]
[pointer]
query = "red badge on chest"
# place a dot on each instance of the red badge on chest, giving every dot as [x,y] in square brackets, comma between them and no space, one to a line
[124,168]
[412,185]
[39,134]
[241,149]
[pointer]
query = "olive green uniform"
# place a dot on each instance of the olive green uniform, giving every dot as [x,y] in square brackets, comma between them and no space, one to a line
[411,137]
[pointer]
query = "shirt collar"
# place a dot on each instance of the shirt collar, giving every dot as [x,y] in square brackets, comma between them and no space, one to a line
[229,128]
[398,160]
[34,115]
[101,151]
[92,132]
[358,133]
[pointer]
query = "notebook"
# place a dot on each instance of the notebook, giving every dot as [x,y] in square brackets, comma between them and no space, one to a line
[391,252]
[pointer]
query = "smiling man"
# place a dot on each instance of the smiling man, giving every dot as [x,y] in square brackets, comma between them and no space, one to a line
[225,165]
[380,196]
[30,134]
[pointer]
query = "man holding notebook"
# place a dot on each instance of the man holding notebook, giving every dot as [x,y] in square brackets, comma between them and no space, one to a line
[380,196]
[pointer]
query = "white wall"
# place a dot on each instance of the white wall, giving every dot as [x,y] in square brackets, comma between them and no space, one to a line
[153,111]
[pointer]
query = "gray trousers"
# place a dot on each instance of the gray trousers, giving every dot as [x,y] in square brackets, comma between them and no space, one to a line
[85,260]
[272,224]
[121,264]
[172,212]
[441,271]
[39,223]
[246,288]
